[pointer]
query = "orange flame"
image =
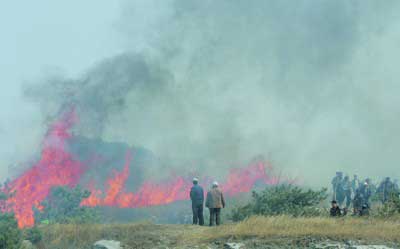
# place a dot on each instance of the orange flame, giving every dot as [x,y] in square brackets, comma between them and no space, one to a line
[176,189]
[57,167]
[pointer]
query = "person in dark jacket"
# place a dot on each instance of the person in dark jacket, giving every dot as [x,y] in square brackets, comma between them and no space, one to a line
[215,201]
[197,197]
[355,184]
[386,189]
[337,186]
[335,210]
[346,187]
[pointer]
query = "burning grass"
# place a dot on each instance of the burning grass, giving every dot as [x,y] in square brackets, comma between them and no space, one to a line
[148,235]
[57,166]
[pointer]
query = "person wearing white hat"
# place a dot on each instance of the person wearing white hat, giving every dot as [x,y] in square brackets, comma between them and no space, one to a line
[215,201]
[197,197]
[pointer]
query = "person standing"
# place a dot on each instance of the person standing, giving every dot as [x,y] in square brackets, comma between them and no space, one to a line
[367,190]
[355,184]
[215,202]
[347,188]
[338,193]
[386,189]
[197,197]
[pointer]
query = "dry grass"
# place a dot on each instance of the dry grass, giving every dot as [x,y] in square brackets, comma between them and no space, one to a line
[146,235]
[287,227]
[83,236]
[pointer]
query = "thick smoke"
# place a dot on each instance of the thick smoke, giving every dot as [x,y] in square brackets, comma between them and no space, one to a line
[100,92]
[310,85]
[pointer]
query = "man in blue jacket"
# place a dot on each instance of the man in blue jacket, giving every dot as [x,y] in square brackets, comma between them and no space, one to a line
[197,197]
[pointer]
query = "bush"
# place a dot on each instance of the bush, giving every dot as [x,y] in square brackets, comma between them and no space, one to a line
[10,235]
[33,235]
[282,200]
[391,207]
[63,206]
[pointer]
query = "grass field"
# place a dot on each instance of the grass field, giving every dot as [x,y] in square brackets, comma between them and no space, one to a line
[345,228]
[148,235]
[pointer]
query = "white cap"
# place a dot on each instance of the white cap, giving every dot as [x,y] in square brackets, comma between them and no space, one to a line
[215,184]
[195,179]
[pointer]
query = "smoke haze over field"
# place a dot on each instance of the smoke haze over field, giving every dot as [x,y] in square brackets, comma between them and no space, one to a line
[310,85]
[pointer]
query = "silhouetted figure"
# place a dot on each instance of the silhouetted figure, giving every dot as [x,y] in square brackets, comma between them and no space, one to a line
[337,186]
[355,184]
[371,186]
[385,189]
[361,199]
[396,186]
[215,202]
[347,188]
[197,197]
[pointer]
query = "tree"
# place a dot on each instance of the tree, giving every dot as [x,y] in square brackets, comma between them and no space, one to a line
[63,206]
[281,200]
[10,235]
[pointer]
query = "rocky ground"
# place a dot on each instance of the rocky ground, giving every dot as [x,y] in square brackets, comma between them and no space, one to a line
[255,244]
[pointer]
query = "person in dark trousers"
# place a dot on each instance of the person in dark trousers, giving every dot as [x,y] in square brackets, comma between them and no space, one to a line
[197,197]
[215,201]
[355,184]
[338,193]
[386,189]
[347,188]
[335,209]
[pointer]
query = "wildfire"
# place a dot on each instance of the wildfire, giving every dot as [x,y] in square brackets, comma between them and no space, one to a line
[58,167]
[152,193]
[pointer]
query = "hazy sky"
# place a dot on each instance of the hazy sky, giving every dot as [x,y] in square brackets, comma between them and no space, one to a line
[310,84]
[37,37]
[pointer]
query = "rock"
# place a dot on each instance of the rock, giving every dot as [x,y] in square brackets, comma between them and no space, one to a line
[26,244]
[233,245]
[107,244]
[348,245]
[330,245]
[371,247]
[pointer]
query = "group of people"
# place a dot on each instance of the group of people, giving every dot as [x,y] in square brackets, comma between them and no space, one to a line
[353,192]
[214,202]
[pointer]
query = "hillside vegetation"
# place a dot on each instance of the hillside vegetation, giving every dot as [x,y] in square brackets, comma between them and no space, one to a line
[280,229]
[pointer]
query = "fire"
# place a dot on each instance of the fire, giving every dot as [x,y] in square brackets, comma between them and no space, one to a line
[176,189]
[58,167]
[243,180]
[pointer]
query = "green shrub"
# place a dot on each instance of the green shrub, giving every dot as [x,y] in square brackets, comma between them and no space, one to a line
[282,200]
[63,206]
[10,235]
[391,207]
[33,235]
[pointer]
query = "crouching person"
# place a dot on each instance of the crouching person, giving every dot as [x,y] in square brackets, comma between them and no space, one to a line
[215,202]
[197,197]
[335,209]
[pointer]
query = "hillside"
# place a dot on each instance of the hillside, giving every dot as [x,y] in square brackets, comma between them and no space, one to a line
[257,232]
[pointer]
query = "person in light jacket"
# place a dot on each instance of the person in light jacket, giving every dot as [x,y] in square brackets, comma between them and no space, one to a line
[215,202]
